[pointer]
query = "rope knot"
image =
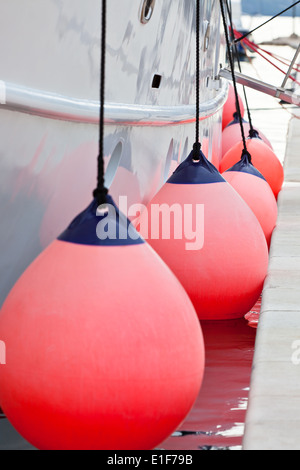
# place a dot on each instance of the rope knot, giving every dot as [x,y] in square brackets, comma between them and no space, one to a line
[197,151]
[246,156]
[100,194]
[253,134]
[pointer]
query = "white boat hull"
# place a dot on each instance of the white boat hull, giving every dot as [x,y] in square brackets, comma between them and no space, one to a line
[49,110]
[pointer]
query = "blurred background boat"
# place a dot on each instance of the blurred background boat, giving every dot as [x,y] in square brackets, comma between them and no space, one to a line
[269,7]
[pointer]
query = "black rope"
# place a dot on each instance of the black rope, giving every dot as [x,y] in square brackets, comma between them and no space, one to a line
[101,192]
[266,22]
[229,10]
[197,145]
[245,151]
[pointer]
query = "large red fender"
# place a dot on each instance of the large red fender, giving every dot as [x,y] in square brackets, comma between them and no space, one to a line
[104,348]
[256,192]
[229,108]
[215,244]
[263,158]
[231,135]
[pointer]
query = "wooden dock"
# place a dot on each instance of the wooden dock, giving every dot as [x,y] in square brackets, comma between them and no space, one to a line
[273,416]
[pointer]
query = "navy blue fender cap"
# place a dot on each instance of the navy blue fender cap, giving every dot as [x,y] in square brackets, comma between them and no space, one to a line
[196,172]
[254,134]
[245,166]
[102,226]
[236,120]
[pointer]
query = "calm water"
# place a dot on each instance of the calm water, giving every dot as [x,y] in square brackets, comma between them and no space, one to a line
[217,419]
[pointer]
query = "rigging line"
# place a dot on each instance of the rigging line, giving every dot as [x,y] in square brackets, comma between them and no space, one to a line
[232,32]
[276,67]
[234,78]
[266,22]
[296,68]
[255,48]
[280,59]
[101,192]
[197,145]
